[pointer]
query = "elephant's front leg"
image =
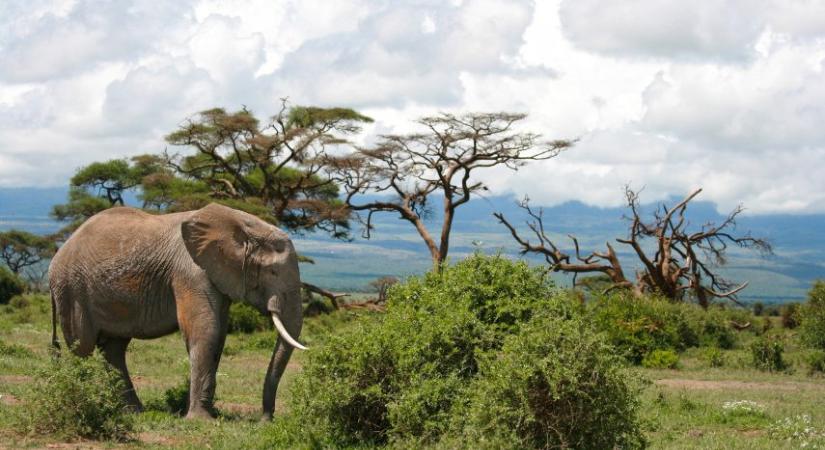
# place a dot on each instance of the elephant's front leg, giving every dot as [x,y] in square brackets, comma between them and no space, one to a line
[204,326]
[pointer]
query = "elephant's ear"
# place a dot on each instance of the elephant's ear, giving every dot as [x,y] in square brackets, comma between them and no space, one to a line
[215,239]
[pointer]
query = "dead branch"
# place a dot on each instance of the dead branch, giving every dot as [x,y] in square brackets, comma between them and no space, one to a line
[333,297]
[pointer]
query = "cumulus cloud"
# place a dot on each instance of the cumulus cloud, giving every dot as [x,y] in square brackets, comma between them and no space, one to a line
[407,53]
[722,31]
[663,94]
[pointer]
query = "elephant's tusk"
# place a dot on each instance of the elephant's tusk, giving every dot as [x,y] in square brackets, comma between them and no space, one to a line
[282,331]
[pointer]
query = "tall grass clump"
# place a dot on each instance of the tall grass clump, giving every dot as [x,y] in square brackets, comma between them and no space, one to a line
[76,397]
[411,376]
[812,314]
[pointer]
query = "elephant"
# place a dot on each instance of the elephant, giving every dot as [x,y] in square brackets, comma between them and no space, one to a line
[126,274]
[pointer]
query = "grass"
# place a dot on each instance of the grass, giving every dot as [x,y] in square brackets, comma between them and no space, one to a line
[683,408]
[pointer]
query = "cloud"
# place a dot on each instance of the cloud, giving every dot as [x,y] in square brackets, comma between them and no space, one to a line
[719,30]
[56,46]
[407,53]
[667,95]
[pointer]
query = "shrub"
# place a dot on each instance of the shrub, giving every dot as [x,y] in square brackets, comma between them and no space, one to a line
[714,357]
[316,306]
[556,384]
[246,319]
[78,397]
[758,308]
[714,325]
[816,362]
[661,359]
[767,354]
[175,400]
[19,302]
[790,315]
[812,314]
[638,326]
[408,376]
[10,285]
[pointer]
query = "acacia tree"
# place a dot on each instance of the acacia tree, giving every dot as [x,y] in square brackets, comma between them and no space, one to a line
[102,185]
[680,260]
[272,169]
[438,162]
[20,250]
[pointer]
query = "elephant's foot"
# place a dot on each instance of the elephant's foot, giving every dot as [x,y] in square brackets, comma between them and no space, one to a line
[200,413]
[133,403]
[266,417]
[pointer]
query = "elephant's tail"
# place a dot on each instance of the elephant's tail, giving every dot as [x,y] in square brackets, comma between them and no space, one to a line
[55,342]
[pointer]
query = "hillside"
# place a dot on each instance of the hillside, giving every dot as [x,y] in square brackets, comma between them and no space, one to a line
[395,249]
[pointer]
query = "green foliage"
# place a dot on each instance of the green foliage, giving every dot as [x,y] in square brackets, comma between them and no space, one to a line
[410,375]
[10,285]
[758,308]
[246,319]
[812,314]
[661,359]
[316,306]
[77,397]
[714,357]
[555,384]
[815,360]
[766,354]
[790,315]
[639,326]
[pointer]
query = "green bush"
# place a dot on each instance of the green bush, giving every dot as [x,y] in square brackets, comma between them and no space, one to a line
[78,397]
[638,326]
[815,360]
[758,308]
[175,400]
[10,285]
[812,315]
[789,313]
[408,377]
[19,302]
[556,384]
[661,359]
[714,357]
[766,353]
[246,319]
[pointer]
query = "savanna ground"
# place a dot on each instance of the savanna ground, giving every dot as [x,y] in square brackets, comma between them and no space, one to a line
[683,408]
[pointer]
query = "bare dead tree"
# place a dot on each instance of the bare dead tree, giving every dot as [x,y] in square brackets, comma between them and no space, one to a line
[439,161]
[683,262]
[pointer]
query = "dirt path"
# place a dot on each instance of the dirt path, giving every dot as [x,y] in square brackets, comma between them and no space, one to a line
[681,383]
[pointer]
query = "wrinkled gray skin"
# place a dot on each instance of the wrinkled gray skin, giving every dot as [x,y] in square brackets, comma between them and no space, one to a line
[127,274]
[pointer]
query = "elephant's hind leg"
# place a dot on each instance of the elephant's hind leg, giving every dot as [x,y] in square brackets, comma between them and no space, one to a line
[114,350]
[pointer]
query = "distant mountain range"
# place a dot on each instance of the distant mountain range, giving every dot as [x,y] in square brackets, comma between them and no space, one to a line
[395,248]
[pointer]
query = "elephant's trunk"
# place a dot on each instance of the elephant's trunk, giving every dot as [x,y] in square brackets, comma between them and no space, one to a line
[289,327]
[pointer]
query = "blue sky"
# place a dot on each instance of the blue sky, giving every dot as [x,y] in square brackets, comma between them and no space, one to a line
[669,95]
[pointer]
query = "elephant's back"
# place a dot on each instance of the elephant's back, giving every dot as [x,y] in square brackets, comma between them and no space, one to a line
[116,265]
[116,233]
